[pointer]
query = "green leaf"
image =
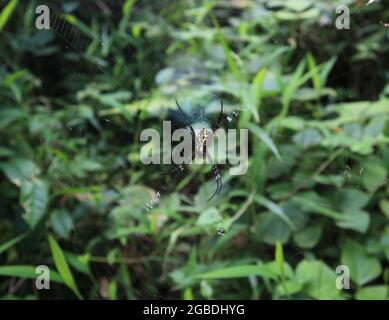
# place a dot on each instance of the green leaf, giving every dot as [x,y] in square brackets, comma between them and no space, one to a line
[355,220]
[384,206]
[307,138]
[19,170]
[8,116]
[374,175]
[188,294]
[293,84]
[363,268]
[297,6]
[293,287]
[62,266]
[127,8]
[257,86]
[262,135]
[207,217]
[34,199]
[79,263]
[310,201]
[276,209]
[351,199]
[318,280]
[5,14]
[26,272]
[232,64]
[308,237]
[62,223]
[238,272]
[5,246]
[315,72]
[271,229]
[372,293]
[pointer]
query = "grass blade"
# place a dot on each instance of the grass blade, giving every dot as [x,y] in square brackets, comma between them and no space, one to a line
[279,257]
[238,272]
[4,247]
[6,13]
[62,266]
[262,135]
[26,272]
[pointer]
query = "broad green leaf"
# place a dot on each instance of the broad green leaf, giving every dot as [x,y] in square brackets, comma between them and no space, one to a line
[34,199]
[374,174]
[62,223]
[363,268]
[355,220]
[351,199]
[311,202]
[308,237]
[271,229]
[307,138]
[208,217]
[372,293]
[297,6]
[276,209]
[62,266]
[18,170]
[318,280]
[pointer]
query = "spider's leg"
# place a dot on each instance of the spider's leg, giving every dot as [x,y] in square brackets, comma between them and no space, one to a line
[192,132]
[219,119]
[190,127]
[179,108]
[178,170]
[219,183]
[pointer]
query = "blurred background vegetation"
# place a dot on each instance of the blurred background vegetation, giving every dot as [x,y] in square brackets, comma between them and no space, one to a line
[73,189]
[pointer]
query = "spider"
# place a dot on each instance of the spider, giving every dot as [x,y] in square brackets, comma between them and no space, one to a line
[203,138]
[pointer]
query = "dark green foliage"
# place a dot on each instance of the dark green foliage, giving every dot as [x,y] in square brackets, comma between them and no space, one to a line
[74,99]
